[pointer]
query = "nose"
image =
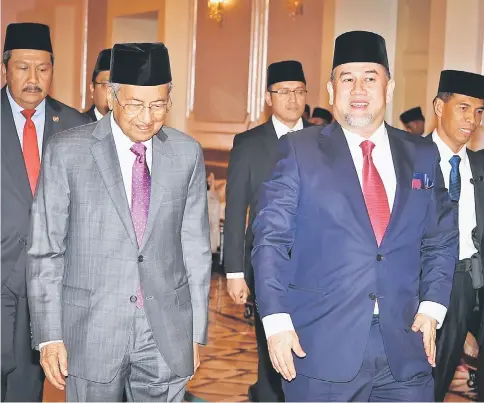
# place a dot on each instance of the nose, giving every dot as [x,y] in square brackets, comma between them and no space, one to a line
[145,116]
[358,87]
[33,76]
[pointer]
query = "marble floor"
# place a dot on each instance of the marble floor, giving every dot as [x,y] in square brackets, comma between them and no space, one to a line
[229,360]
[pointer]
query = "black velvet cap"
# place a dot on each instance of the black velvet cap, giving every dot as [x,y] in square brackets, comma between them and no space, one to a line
[360,46]
[323,114]
[103,63]
[287,70]
[141,64]
[462,82]
[27,35]
[411,115]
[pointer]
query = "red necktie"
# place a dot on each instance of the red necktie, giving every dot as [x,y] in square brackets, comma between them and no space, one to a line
[31,149]
[374,193]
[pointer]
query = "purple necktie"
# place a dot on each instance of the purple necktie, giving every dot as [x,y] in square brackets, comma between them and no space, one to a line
[140,199]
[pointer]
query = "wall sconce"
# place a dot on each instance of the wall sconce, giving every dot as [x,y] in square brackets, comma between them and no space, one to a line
[295,7]
[216,10]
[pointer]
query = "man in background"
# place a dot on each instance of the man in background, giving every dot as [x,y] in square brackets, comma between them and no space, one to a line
[321,116]
[29,118]
[98,87]
[459,108]
[307,112]
[414,121]
[251,160]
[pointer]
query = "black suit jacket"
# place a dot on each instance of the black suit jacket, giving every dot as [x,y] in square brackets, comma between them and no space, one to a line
[90,114]
[252,159]
[16,201]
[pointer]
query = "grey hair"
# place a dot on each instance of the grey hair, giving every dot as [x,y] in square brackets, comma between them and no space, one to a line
[444,96]
[115,87]
[7,55]
[387,73]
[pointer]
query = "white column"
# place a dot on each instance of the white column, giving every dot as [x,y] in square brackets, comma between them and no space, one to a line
[379,16]
[464,35]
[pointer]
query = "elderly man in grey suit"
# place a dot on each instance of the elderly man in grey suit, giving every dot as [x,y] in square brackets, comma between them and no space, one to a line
[29,118]
[119,261]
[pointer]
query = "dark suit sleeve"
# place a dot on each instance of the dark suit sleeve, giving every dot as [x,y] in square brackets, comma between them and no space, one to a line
[439,251]
[237,201]
[274,232]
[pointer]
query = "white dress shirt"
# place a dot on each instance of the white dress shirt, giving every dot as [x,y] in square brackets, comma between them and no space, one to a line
[38,118]
[126,160]
[98,114]
[467,203]
[281,129]
[383,160]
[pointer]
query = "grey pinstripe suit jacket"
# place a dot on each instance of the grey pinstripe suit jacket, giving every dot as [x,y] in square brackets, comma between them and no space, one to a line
[84,263]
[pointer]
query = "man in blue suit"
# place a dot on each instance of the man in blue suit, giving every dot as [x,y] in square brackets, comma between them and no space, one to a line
[355,246]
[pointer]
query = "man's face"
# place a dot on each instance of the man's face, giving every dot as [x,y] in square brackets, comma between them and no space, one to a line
[460,117]
[28,76]
[359,93]
[416,127]
[99,92]
[131,110]
[287,99]
[319,121]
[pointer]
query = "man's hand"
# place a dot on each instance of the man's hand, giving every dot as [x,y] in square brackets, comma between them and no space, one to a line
[238,290]
[196,358]
[53,358]
[281,346]
[428,327]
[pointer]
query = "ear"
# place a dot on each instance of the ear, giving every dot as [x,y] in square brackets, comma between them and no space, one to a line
[329,87]
[110,99]
[438,107]
[91,88]
[390,90]
[268,98]
[4,72]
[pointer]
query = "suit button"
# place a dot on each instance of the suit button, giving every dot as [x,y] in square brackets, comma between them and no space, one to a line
[22,241]
[140,258]
[30,211]
[372,296]
[379,257]
[133,298]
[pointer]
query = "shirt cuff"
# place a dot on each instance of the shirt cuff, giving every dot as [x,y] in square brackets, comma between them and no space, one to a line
[277,323]
[235,275]
[434,310]
[49,342]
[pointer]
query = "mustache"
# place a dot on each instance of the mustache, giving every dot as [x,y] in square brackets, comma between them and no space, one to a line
[32,88]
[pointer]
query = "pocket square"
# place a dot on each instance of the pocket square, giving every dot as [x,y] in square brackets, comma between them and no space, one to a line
[421,181]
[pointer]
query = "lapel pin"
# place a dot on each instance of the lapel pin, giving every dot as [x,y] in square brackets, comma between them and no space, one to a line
[55,118]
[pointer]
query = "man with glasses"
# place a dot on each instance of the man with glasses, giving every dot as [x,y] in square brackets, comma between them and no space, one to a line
[251,160]
[98,86]
[119,269]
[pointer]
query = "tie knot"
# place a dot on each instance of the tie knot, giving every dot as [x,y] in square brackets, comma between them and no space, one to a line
[455,161]
[28,113]
[367,147]
[139,149]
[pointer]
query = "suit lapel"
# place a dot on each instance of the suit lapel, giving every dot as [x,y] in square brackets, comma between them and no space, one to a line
[160,169]
[269,139]
[337,155]
[12,156]
[402,152]
[477,168]
[106,158]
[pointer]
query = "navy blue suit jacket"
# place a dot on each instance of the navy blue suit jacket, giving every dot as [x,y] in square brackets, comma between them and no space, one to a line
[316,258]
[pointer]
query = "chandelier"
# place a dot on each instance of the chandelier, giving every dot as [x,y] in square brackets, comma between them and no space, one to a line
[216,10]
[295,7]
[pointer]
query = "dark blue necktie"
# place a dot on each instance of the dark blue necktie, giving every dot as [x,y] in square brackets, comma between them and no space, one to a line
[454,184]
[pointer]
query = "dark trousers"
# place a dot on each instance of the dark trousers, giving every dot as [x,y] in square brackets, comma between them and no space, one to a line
[374,382]
[22,376]
[268,387]
[451,337]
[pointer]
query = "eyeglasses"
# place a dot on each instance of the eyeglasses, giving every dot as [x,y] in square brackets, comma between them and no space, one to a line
[134,109]
[103,84]
[286,93]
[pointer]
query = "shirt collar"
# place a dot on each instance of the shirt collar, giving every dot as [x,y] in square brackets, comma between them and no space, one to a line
[98,114]
[281,129]
[17,109]
[121,139]
[444,150]
[376,138]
